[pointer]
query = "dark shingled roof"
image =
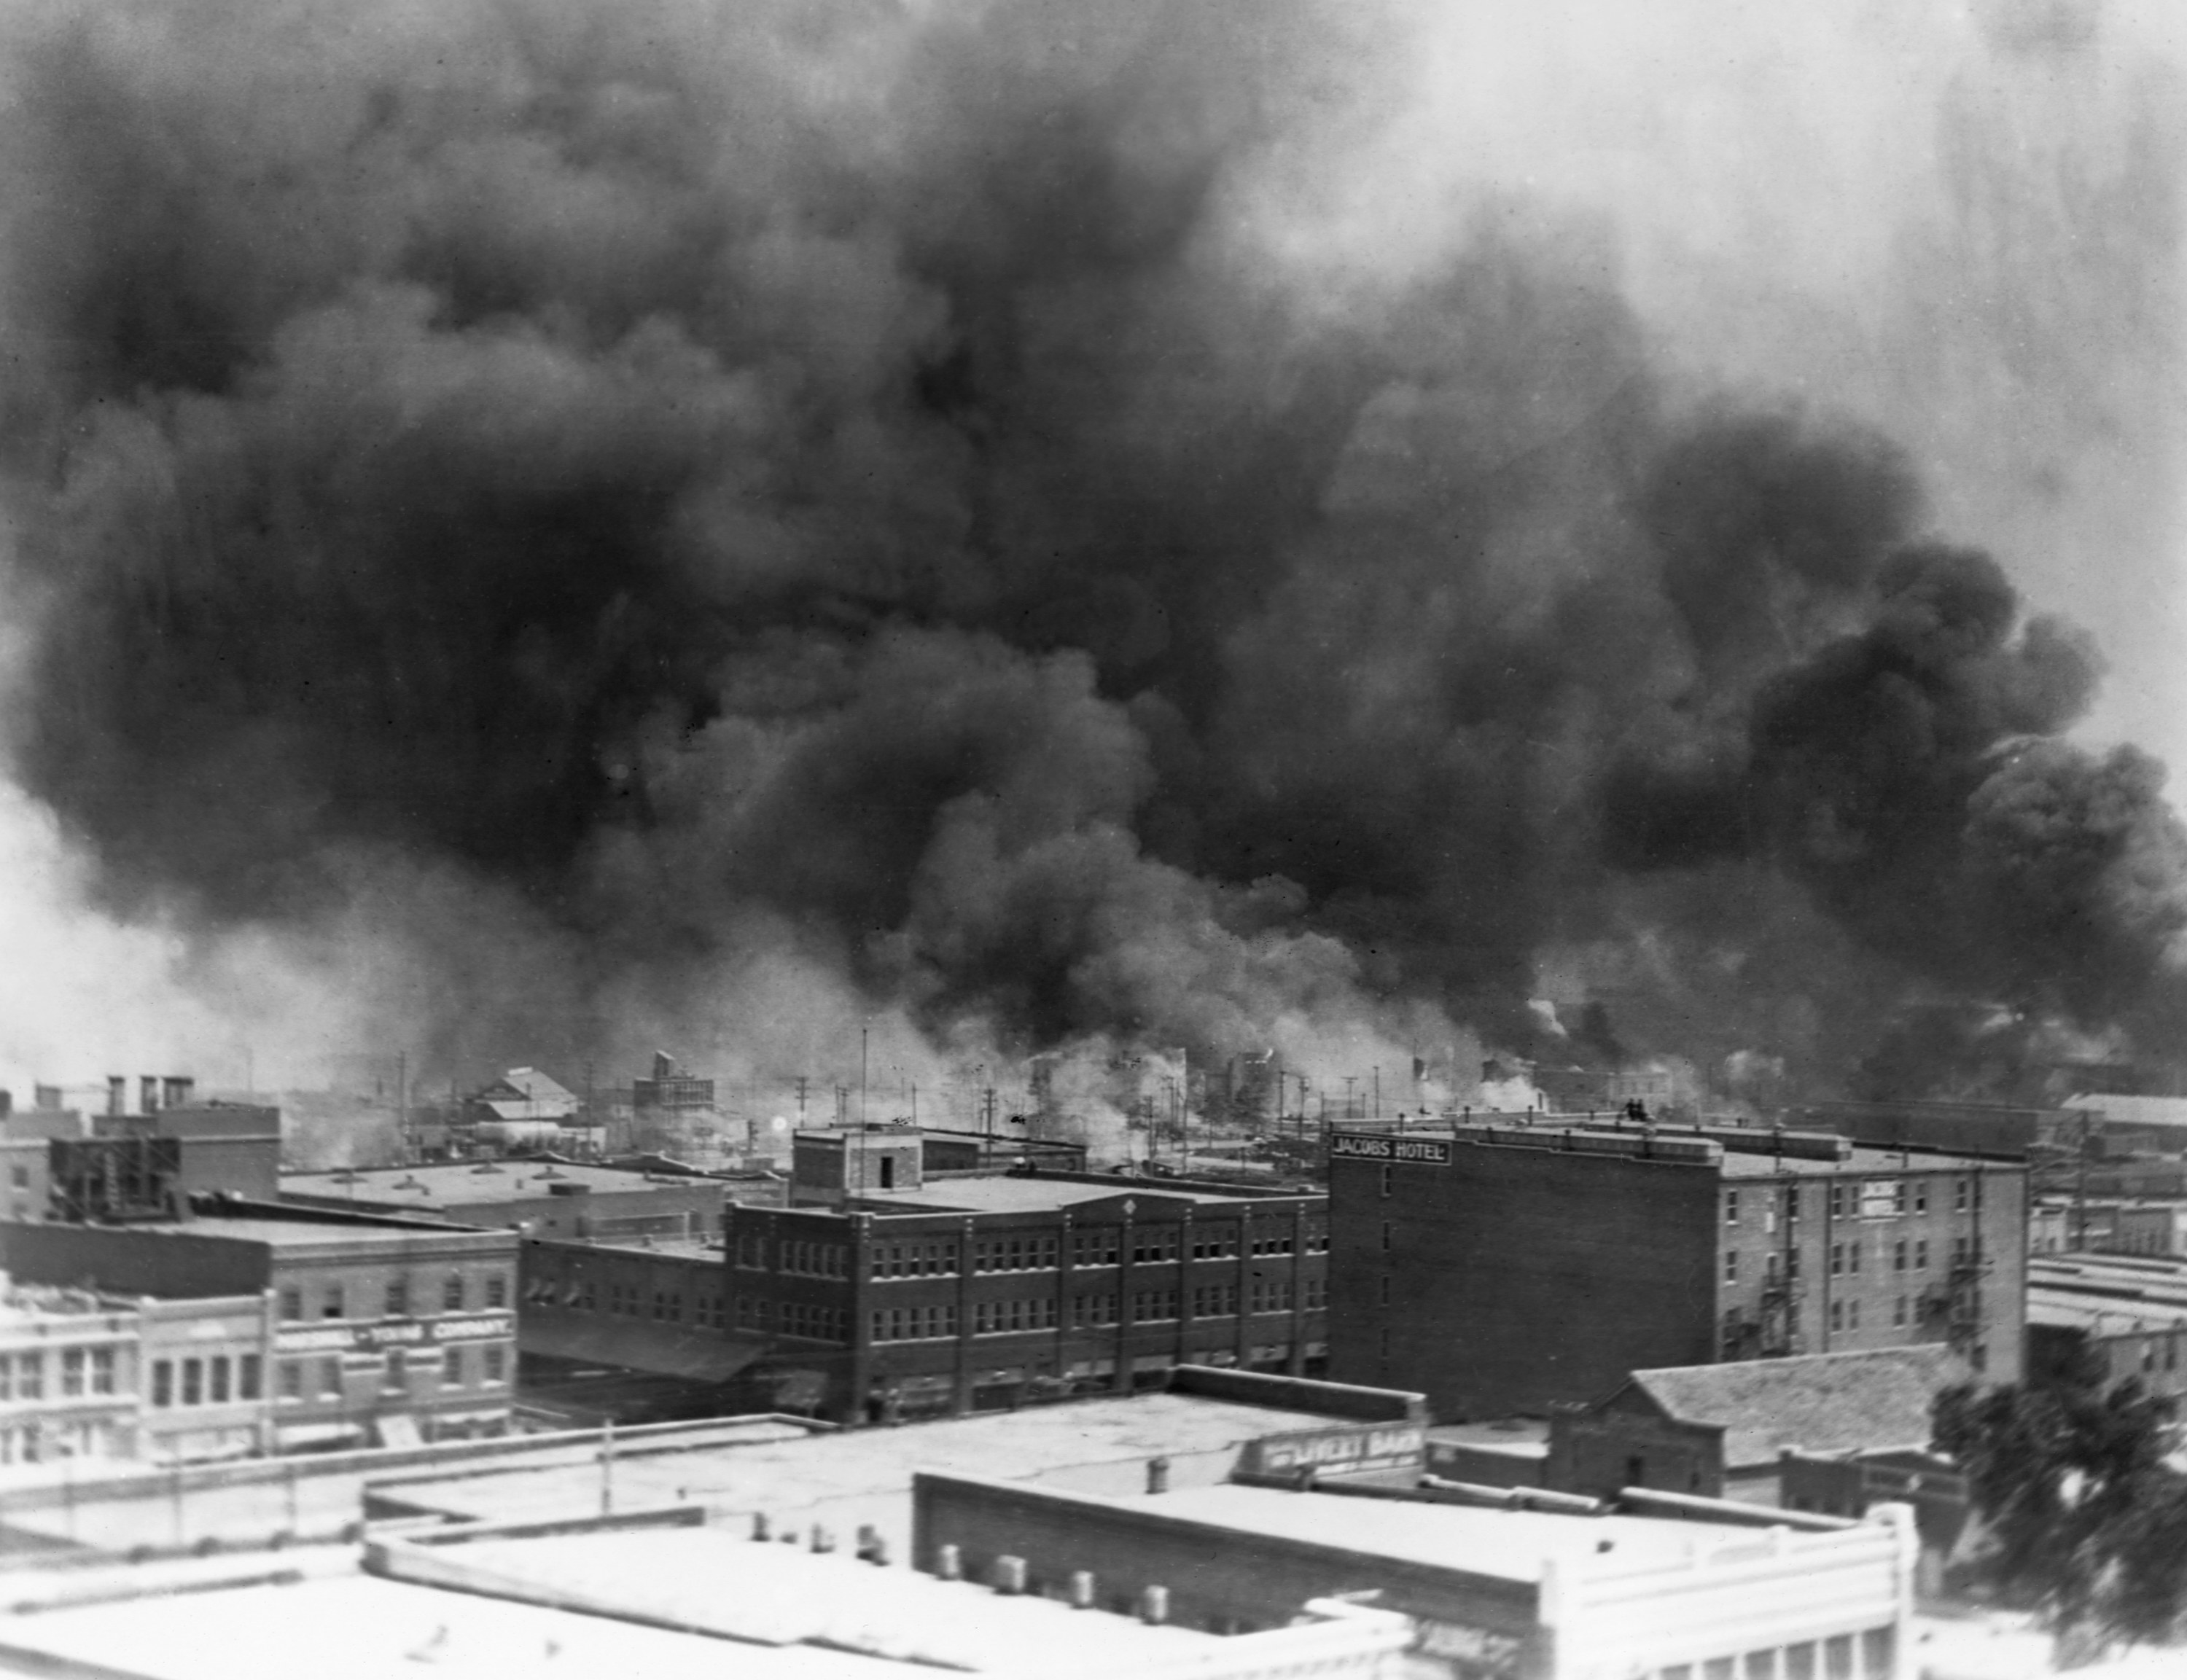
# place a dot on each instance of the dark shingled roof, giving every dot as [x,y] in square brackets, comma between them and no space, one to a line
[1819,1402]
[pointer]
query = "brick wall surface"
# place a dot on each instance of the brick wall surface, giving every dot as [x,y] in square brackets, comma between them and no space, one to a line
[1517,1277]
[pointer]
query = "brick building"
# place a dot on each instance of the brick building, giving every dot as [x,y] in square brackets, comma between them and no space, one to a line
[1505,1269]
[383,1328]
[1723,1430]
[892,1296]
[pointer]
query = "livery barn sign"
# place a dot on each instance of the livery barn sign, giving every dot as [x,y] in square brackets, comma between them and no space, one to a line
[1351,1449]
[1383,1146]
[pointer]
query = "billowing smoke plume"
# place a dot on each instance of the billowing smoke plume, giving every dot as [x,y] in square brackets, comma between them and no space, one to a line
[596,523]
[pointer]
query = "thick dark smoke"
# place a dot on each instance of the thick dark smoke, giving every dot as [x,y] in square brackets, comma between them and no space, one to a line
[608,495]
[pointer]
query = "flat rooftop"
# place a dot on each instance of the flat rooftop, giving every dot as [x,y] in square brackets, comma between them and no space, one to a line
[305,1233]
[459,1184]
[361,1627]
[724,1583]
[1031,1193]
[1507,1545]
[1883,1163]
[2103,1315]
[857,1476]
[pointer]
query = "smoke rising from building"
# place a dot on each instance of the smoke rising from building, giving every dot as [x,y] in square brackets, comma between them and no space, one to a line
[573,527]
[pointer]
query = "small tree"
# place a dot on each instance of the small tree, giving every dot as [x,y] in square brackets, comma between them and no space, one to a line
[2087,1525]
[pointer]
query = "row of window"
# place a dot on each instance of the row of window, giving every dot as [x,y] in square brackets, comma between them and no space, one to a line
[323,1377]
[811,1322]
[803,1258]
[1005,1317]
[1023,1252]
[456,1297]
[1904,1255]
[1872,1197]
[1844,1656]
[207,1382]
[82,1371]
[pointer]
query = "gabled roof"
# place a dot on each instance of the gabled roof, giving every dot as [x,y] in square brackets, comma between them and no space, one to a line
[530,1082]
[1819,1402]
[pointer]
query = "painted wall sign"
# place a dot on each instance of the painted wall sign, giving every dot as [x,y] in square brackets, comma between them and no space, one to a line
[1347,1451]
[394,1332]
[1382,1146]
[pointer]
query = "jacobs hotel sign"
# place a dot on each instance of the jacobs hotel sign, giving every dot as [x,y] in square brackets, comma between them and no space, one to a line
[1383,1146]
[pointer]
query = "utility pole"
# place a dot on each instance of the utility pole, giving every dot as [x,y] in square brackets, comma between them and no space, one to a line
[402,1105]
[1350,1102]
[804,1086]
[861,1076]
[1378,1090]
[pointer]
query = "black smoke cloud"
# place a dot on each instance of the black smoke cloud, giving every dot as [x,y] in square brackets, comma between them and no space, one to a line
[608,489]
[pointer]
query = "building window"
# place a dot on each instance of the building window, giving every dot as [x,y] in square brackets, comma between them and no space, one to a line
[292,1379]
[1387,1173]
[452,1367]
[496,1363]
[333,1308]
[1006,1317]
[1837,1314]
[1731,1207]
[1153,1307]
[395,1377]
[1898,1256]
[398,1297]
[1921,1254]
[1315,1291]
[101,1370]
[1898,1313]
[249,1376]
[1853,1314]
[1275,1294]
[1215,1300]
[219,1374]
[1385,1288]
[1852,1257]
[1098,1247]
[193,1382]
[1154,1245]
[1385,1236]
[1837,1260]
[330,1376]
[1088,1311]
[452,1293]
[1920,1195]
[19,1177]
[496,1289]
[1214,1242]
[1317,1239]
[292,1304]
[1961,1200]
[1791,1202]
[1731,1266]
[72,1372]
[30,1376]
[1837,1201]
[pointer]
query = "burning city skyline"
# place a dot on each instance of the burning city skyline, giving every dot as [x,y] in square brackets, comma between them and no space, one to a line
[538,531]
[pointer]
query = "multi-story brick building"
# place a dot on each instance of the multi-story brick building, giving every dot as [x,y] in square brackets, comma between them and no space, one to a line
[908,1297]
[1503,1269]
[381,1327]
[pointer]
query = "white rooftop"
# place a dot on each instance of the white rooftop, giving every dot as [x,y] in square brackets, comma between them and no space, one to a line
[1510,1545]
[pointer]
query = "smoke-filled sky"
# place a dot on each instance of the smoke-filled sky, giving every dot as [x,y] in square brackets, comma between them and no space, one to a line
[538,529]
